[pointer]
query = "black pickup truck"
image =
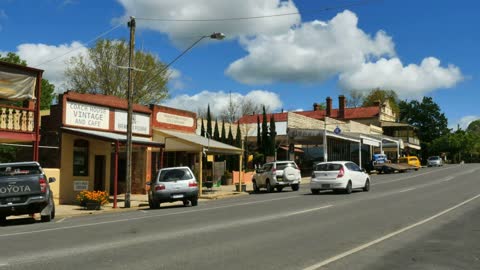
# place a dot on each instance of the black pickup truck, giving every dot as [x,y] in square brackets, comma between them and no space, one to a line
[25,189]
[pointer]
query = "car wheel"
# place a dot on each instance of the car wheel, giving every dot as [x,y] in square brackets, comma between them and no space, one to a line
[315,191]
[269,187]
[186,202]
[153,204]
[53,212]
[279,189]
[194,201]
[46,218]
[255,187]
[366,188]
[295,187]
[348,190]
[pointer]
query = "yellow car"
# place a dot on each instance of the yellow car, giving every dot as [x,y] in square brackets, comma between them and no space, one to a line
[410,160]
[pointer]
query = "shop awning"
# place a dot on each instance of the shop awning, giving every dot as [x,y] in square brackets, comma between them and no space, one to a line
[111,137]
[307,136]
[191,142]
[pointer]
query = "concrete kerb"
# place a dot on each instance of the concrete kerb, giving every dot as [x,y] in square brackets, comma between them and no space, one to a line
[140,201]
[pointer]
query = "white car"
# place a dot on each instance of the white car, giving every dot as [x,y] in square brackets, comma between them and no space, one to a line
[339,175]
[277,175]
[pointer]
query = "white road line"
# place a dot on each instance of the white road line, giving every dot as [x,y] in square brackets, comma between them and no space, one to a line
[308,210]
[448,179]
[411,176]
[405,190]
[390,235]
[143,217]
[61,220]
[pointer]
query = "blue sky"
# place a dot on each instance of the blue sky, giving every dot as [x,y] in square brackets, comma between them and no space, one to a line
[286,62]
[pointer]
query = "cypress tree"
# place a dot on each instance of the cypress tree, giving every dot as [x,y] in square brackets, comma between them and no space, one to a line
[209,122]
[273,134]
[265,138]
[216,133]
[202,130]
[224,135]
[259,136]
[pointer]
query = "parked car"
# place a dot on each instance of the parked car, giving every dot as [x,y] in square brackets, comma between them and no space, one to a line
[339,176]
[410,160]
[434,161]
[173,184]
[277,175]
[24,189]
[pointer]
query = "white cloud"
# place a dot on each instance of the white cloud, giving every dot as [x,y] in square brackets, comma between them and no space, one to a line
[312,52]
[408,81]
[464,122]
[211,9]
[219,101]
[40,56]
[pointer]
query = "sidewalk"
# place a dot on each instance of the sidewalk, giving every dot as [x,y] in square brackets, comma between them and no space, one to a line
[140,201]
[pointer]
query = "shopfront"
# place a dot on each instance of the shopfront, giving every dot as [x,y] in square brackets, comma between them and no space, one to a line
[91,133]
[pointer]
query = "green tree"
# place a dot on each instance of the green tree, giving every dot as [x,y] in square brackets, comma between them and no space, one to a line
[427,117]
[99,72]
[216,133]
[379,95]
[202,130]
[273,134]
[259,135]
[48,90]
[209,122]
[223,137]
[474,127]
[265,135]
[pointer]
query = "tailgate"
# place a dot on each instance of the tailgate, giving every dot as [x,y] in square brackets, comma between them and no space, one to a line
[19,185]
[325,175]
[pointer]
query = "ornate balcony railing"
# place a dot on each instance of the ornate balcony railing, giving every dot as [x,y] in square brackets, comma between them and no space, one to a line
[16,119]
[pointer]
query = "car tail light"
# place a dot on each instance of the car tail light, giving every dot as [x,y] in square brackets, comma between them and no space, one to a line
[159,187]
[43,184]
[341,173]
[274,171]
[192,184]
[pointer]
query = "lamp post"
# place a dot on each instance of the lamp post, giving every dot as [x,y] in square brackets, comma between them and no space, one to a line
[131,24]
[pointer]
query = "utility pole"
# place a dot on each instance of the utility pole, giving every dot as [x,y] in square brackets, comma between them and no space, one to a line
[131,48]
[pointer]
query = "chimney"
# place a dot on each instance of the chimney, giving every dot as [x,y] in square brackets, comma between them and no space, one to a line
[316,106]
[329,107]
[341,106]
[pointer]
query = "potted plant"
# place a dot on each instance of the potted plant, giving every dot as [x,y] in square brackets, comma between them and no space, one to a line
[228,178]
[92,200]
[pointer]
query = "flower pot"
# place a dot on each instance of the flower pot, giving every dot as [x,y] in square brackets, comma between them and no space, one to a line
[93,206]
[244,188]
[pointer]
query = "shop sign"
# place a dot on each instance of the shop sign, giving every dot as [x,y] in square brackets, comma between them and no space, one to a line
[80,185]
[140,122]
[173,119]
[86,115]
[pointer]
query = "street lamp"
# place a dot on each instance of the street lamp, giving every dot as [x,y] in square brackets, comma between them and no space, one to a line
[131,24]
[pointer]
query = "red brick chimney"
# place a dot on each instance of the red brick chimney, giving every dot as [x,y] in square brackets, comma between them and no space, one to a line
[329,107]
[316,106]
[342,102]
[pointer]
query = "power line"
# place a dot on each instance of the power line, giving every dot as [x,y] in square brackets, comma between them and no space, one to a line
[256,17]
[88,42]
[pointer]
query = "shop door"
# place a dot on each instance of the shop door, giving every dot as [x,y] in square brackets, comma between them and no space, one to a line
[99,180]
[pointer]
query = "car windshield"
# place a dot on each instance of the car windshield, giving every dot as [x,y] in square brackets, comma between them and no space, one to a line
[281,166]
[328,167]
[175,175]
[433,158]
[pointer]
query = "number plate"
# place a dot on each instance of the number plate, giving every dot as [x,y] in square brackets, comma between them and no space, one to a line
[176,196]
[325,185]
[13,199]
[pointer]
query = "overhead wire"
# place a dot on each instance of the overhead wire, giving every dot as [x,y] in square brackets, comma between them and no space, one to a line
[88,42]
[256,17]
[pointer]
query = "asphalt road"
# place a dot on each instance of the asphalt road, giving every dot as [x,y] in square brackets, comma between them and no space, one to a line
[428,219]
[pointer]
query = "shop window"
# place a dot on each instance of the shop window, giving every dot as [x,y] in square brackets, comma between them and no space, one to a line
[80,158]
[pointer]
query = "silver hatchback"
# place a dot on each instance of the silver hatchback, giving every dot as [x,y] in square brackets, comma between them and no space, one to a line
[434,161]
[173,184]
